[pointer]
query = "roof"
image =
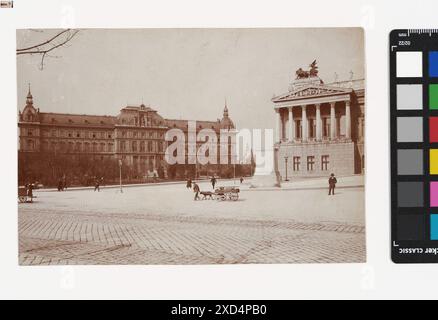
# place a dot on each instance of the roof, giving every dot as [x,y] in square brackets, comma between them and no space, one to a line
[182,124]
[76,119]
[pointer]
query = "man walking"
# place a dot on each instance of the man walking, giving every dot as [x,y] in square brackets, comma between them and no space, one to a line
[213,181]
[332,184]
[196,190]
[97,185]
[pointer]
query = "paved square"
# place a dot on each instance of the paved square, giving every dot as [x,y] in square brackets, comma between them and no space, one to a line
[161,224]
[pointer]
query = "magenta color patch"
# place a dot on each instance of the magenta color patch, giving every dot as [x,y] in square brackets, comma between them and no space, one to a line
[434,194]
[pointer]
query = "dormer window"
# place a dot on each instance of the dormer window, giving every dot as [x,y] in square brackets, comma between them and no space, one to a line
[101,122]
[86,121]
[70,121]
[53,120]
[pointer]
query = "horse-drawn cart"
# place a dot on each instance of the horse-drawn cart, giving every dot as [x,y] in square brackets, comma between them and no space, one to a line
[227,193]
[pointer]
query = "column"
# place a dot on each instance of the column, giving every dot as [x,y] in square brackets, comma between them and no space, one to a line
[318,123]
[304,123]
[278,127]
[291,125]
[347,120]
[332,121]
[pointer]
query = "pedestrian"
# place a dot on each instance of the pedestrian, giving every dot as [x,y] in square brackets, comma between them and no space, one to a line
[332,184]
[241,180]
[60,185]
[196,190]
[30,191]
[189,183]
[213,181]
[97,185]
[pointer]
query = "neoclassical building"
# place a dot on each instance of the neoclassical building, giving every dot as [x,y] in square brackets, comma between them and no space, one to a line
[320,128]
[136,135]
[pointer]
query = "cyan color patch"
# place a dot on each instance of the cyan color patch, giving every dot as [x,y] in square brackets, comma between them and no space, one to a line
[434,227]
[433,64]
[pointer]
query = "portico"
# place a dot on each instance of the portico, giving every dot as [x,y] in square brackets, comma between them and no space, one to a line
[304,119]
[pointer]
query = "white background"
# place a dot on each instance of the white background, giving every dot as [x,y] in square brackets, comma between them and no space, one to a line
[378,278]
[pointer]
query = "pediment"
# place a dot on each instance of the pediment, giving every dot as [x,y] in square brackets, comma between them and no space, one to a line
[312,91]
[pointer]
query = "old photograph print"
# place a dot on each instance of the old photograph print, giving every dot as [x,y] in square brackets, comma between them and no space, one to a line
[190,146]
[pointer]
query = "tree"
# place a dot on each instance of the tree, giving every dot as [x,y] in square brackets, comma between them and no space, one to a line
[44,48]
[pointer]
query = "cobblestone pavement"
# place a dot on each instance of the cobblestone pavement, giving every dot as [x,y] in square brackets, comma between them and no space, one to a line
[64,232]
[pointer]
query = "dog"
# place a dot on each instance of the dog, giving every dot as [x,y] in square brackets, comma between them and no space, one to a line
[207,195]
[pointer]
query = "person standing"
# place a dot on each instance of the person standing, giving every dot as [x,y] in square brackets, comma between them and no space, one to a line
[97,185]
[213,181]
[241,180]
[30,191]
[189,183]
[196,190]
[332,184]
[60,185]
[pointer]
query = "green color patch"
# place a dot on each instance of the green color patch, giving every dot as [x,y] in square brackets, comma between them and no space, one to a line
[433,96]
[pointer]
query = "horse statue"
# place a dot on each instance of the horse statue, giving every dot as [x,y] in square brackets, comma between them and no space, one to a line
[303,74]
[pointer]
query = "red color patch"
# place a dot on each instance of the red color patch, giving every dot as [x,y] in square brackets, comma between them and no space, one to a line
[433,129]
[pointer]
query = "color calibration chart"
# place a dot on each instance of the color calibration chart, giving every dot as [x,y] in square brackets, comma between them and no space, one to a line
[414,145]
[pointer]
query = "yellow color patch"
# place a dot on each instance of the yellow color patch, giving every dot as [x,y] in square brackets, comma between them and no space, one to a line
[433,161]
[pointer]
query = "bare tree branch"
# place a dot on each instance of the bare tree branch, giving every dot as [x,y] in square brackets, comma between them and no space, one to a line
[49,45]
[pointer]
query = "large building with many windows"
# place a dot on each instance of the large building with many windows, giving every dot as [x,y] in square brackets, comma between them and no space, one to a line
[320,128]
[136,136]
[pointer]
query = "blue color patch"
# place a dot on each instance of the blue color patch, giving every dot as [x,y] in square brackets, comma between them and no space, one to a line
[433,64]
[434,227]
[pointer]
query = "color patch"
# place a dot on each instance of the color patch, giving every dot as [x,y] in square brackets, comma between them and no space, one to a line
[409,129]
[434,227]
[433,161]
[434,194]
[409,97]
[433,96]
[433,129]
[409,64]
[410,227]
[433,64]
[410,162]
[410,194]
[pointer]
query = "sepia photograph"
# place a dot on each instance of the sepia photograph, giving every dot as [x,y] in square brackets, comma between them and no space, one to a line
[191,146]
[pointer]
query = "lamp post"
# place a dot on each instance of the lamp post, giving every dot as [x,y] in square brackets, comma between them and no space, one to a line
[120,175]
[285,160]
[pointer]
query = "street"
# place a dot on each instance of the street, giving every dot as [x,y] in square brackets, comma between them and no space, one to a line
[162,224]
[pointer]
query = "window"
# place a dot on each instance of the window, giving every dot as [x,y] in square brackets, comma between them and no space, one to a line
[134,146]
[102,147]
[110,147]
[69,135]
[149,146]
[109,135]
[87,147]
[78,146]
[30,144]
[29,132]
[94,135]
[296,162]
[324,162]
[78,135]
[122,145]
[142,146]
[53,133]
[124,134]
[310,163]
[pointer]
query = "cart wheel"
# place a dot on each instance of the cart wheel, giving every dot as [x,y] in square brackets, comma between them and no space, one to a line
[235,197]
[22,199]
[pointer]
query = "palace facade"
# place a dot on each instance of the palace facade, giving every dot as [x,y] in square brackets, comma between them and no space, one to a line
[320,128]
[136,136]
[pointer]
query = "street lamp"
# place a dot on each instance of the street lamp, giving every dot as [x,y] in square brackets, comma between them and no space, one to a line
[285,160]
[120,175]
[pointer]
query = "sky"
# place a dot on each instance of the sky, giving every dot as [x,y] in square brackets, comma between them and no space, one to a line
[183,73]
